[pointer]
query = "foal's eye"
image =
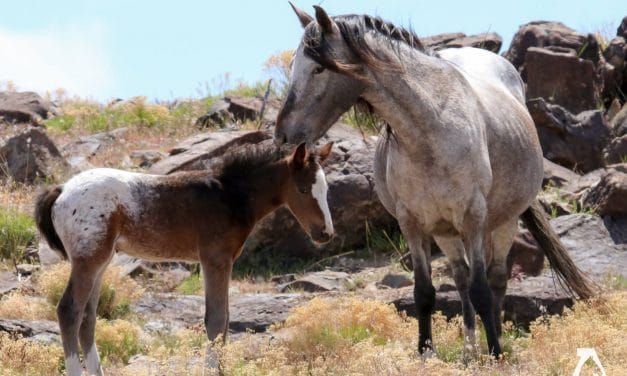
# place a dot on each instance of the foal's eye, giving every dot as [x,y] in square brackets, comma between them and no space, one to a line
[304,190]
[318,70]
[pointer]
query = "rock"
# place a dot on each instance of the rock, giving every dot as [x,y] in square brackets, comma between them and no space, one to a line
[598,246]
[79,152]
[197,152]
[525,257]
[8,282]
[285,278]
[27,269]
[615,54]
[609,195]
[319,281]
[616,151]
[146,158]
[47,256]
[256,312]
[217,115]
[619,122]
[542,34]
[28,155]
[622,28]
[556,175]
[487,41]
[45,331]
[550,76]
[576,142]
[395,281]
[24,107]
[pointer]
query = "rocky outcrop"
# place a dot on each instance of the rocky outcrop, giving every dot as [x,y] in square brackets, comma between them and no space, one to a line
[616,150]
[562,78]
[24,107]
[45,331]
[609,195]
[326,280]
[27,155]
[573,141]
[81,151]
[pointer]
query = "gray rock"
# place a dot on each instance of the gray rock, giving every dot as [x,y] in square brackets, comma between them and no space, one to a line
[27,269]
[8,282]
[28,155]
[39,330]
[487,41]
[24,107]
[619,122]
[326,280]
[609,195]
[556,175]
[616,150]
[80,152]
[550,76]
[573,141]
[395,281]
[47,256]
[146,158]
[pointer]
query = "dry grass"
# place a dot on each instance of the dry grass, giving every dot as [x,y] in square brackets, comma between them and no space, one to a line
[116,294]
[16,305]
[117,341]
[24,357]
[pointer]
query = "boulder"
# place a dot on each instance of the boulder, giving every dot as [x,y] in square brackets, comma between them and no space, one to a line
[616,151]
[575,142]
[550,76]
[609,195]
[615,54]
[45,331]
[542,34]
[28,155]
[487,41]
[395,280]
[619,122]
[326,280]
[146,158]
[525,257]
[79,152]
[199,151]
[8,282]
[217,115]
[556,175]
[24,107]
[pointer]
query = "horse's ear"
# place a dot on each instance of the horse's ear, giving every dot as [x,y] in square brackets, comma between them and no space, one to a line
[324,152]
[303,17]
[323,19]
[299,158]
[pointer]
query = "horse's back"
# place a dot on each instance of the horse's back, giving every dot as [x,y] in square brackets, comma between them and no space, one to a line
[486,66]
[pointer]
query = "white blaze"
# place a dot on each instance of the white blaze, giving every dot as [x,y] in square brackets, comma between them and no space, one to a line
[319,191]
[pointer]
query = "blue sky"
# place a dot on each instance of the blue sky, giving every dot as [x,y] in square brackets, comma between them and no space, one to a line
[169,49]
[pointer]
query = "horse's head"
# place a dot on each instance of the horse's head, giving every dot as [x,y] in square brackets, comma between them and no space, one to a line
[307,192]
[325,80]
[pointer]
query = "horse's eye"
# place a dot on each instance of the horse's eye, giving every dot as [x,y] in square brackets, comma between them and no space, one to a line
[304,190]
[318,70]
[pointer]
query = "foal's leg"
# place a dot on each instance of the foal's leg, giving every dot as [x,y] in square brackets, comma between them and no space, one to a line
[87,329]
[71,308]
[502,239]
[217,274]
[424,292]
[453,248]
[480,293]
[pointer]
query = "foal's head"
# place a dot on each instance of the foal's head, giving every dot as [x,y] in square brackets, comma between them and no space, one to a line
[307,191]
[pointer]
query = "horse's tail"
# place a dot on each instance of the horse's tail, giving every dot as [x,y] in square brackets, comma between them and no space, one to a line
[43,218]
[568,274]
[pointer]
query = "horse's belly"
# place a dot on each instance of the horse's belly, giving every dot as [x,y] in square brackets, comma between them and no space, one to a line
[153,249]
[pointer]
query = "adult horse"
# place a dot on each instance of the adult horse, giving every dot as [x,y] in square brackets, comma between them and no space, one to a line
[189,216]
[459,162]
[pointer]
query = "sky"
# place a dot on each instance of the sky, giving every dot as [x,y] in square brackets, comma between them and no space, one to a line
[173,49]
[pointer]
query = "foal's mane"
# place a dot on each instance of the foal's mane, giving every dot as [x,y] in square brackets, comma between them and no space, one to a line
[238,163]
[353,29]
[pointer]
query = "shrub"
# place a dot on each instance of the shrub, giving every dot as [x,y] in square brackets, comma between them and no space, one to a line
[192,285]
[24,357]
[117,340]
[116,294]
[17,231]
[18,306]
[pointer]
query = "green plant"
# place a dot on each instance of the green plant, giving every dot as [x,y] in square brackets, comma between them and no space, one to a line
[117,340]
[17,231]
[192,285]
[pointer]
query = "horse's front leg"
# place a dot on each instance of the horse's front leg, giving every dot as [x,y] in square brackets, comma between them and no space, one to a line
[217,274]
[424,292]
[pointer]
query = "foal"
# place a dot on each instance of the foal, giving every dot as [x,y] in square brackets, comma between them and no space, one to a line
[188,216]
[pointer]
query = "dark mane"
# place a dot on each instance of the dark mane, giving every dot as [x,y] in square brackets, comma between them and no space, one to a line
[238,163]
[353,29]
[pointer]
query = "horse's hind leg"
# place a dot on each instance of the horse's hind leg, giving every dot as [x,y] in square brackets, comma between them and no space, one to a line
[424,292]
[453,248]
[87,329]
[216,270]
[502,239]
[71,309]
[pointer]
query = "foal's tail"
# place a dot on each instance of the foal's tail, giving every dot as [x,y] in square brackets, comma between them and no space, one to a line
[568,274]
[43,218]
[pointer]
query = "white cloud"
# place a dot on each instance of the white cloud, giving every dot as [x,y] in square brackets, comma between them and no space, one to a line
[73,58]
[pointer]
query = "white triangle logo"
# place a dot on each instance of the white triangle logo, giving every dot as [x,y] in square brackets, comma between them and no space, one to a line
[584,354]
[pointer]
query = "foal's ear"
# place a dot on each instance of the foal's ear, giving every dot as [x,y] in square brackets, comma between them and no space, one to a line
[303,17]
[323,19]
[324,152]
[299,158]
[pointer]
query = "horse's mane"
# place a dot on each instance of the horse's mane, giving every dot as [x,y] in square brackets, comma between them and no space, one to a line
[239,162]
[353,29]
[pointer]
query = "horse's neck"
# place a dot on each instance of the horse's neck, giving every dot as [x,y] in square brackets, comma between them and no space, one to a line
[266,190]
[410,100]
